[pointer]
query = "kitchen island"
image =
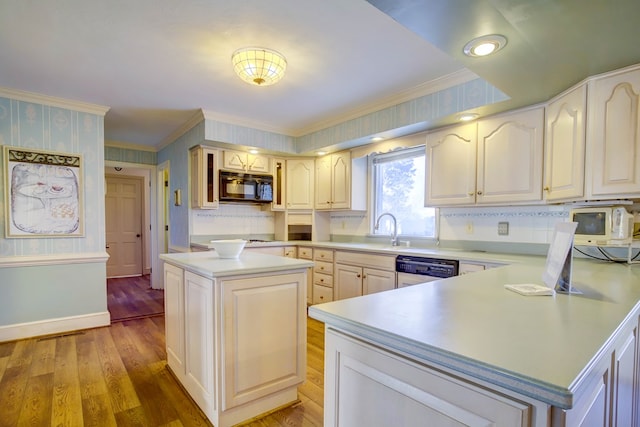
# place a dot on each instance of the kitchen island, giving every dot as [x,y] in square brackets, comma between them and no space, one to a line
[468,350]
[236,331]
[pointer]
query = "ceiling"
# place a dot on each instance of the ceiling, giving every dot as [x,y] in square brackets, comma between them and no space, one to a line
[157,63]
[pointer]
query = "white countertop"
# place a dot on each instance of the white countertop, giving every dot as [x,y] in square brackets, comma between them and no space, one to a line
[538,346]
[209,264]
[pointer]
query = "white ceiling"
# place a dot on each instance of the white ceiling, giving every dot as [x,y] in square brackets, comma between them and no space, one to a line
[156,63]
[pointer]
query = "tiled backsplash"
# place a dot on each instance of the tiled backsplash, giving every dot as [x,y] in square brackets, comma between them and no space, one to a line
[232,220]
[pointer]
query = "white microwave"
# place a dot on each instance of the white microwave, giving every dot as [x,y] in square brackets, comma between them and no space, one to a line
[602,226]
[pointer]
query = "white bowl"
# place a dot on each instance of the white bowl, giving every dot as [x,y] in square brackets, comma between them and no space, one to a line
[228,248]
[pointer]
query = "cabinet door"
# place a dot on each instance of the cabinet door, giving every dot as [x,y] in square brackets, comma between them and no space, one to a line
[510,151]
[258,163]
[341,181]
[199,347]
[300,183]
[565,146]
[377,280]
[279,180]
[348,281]
[264,335]
[174,318]
[323,178]
[451,166]
[614,136]
[624,397]
[204,178]
[235,160]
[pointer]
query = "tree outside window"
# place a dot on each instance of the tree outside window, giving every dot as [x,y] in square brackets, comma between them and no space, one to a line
[398,188]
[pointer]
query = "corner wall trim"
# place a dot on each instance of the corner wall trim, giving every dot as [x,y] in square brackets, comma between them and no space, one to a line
[54,326]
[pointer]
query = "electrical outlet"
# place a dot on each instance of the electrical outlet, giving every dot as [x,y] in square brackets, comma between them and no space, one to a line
[469,227]
[503,228]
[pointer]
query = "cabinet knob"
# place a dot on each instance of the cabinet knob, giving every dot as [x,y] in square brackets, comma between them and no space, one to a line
[479,193]
[546,188]
[471,193]
[358,275]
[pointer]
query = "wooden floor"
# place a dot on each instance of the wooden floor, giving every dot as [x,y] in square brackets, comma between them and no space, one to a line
[117,376]
[132,297]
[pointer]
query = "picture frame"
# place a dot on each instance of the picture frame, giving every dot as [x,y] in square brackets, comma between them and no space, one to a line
[43,193]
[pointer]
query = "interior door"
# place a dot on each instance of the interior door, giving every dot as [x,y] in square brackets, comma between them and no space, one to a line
[123,207]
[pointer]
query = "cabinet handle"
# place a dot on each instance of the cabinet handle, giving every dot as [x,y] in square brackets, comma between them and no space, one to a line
[546,188]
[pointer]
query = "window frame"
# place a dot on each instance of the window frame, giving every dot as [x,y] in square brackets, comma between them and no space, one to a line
[397,154]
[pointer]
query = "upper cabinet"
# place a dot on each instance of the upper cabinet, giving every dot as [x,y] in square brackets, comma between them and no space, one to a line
[613,136]
[299,183]
[204,177]
[279,180]
[451,166]
[246,162]
[565,146]
[336,176]
[510,151]
[497,160]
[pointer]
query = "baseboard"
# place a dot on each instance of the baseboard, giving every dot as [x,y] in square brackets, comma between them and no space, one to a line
[54,326]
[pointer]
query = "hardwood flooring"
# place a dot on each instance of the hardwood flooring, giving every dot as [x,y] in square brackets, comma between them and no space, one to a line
[133,297]
[117,376]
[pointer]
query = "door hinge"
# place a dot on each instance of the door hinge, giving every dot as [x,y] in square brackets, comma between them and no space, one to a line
[166,228]
[166,183]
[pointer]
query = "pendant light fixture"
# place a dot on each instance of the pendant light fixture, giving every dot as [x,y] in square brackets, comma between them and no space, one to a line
[259,66]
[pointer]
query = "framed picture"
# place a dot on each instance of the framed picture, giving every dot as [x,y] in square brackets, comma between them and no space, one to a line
[43,192]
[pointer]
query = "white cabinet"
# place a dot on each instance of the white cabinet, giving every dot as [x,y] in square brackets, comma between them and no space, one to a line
[393,390]
[564,160]
[340,182]
[613,136]
[299,183]
[198,337]
[451,166]
[279,180]
[359,274]
[495,161]
[237,344]
[323,275]
[305,252]
[174,318]
[246,162]
[510,152]
[204,177]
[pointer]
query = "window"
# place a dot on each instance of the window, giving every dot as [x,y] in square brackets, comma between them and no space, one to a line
[398,188]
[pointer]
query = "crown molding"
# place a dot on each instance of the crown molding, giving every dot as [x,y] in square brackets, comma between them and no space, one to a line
[453,79]
[129,146]
[52,101]
[186,127]
[237,121]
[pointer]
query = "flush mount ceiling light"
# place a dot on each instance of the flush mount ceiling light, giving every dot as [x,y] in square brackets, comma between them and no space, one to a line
[259,66]
[485,45]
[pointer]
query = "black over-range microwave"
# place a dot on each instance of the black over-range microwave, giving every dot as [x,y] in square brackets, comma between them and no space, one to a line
[245,187]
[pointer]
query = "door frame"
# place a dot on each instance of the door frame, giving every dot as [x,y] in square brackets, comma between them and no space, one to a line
[150,202]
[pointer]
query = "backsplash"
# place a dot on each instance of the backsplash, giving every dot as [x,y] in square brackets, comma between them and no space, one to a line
[232,220]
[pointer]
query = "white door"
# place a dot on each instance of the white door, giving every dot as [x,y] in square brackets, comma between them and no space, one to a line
[123,217]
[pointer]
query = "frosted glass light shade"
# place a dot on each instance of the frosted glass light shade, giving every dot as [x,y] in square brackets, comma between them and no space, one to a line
[258,66]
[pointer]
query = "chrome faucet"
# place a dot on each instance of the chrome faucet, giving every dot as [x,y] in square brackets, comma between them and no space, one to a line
[394,235]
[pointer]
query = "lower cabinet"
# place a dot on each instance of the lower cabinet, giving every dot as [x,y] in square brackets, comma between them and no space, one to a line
[237,344]
[359,274]
[394,391]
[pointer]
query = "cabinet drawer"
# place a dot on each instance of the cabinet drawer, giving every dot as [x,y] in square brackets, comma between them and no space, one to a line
[322,294]
[380,262]
[323,255]
[323,279]
[305,253]
[323,267]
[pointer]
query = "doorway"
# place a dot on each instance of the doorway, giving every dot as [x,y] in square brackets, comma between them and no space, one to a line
[123,221]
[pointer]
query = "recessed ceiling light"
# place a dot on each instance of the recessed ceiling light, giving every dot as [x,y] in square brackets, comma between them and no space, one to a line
[485,45]
[377,138]
[321,153]
[467,117]
[253,151]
